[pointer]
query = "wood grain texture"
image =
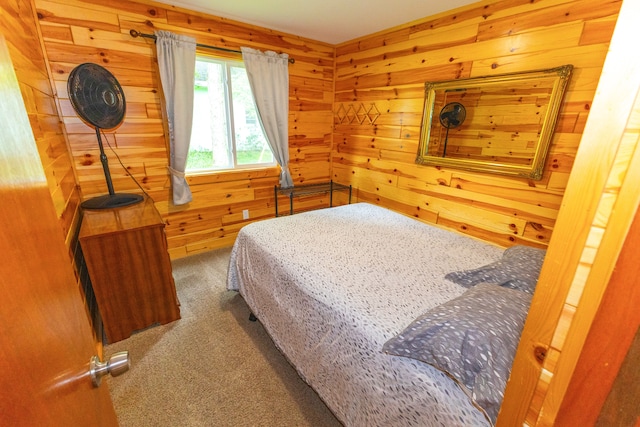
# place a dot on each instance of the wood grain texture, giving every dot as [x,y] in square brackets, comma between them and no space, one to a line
[601,199]
[18,23]
[604,352]
[389,69]
[45,338]
[214,217]
[24,41]
[128,262]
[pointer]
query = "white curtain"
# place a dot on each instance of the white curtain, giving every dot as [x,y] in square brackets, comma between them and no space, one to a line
[177,62]
[268,74]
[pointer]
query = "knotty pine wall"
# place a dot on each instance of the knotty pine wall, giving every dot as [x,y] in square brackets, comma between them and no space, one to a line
[382,74]
[78,31]
[17,20]
[385,73]
[600,198]
[19,27]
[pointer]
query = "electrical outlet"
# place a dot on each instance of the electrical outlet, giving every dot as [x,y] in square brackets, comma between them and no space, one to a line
[245,214]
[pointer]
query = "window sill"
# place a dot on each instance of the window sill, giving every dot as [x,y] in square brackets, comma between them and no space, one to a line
[203,178]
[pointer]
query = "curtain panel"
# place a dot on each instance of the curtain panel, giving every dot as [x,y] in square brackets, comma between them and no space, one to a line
[268,74]
[176,62]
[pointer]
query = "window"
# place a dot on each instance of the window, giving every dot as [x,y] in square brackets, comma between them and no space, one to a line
[226,133]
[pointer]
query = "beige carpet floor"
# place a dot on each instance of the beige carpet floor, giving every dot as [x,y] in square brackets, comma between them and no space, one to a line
[213,367]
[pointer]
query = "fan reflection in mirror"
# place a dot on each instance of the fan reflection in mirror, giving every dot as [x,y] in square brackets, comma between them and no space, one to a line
[452,116]
[499,124]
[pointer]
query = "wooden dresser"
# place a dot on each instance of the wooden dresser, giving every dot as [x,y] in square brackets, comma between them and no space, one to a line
[125,250]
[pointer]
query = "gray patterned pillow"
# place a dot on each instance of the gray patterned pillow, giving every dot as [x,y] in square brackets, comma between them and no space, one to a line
[472,338]
[519,269]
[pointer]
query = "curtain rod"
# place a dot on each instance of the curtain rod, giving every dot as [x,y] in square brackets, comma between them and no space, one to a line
[135,33]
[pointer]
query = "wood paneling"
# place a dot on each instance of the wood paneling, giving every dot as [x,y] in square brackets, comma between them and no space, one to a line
[77,31]
[45,339]
[19,27]
[600,202]
[389,70]
[386,70]
[596,379]
[18,23]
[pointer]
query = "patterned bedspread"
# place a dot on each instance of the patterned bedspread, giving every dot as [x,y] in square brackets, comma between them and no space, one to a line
[332,286]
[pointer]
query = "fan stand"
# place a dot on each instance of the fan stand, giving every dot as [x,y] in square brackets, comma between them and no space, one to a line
[457,108]
[446,139]
[98,99]
[111,200]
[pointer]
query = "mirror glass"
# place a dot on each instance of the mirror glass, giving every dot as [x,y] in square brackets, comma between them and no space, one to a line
[500,124]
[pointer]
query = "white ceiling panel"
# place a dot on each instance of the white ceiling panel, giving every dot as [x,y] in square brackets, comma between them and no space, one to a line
[329,21]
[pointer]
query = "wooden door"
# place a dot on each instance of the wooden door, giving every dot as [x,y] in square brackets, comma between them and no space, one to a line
[45,337]
[604,388]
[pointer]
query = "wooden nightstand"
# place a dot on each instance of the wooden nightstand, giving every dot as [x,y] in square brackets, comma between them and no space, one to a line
[125,250]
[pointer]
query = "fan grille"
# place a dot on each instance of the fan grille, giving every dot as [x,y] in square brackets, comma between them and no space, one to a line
[96,96]
[452,115]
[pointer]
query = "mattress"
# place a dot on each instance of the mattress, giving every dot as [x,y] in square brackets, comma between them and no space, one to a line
[331,286]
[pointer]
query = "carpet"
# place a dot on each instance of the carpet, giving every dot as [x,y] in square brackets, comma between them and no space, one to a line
[213,367]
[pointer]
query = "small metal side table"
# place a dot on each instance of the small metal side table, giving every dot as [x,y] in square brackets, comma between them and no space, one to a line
[310,189]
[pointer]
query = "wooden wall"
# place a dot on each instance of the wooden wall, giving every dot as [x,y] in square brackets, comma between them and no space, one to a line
[18,23]
[378,91]
[366,136]
[385,73]
[599,206]
[17,20]
[78,31]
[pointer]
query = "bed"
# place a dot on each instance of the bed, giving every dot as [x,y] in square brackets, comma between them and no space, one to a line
[368,304]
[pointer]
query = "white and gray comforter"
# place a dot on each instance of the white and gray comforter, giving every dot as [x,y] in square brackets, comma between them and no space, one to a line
[332,286]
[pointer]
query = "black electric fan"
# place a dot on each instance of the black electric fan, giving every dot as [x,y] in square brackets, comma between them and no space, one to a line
[97,98]
[451,116]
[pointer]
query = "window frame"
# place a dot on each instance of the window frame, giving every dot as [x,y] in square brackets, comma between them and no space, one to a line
[227,64]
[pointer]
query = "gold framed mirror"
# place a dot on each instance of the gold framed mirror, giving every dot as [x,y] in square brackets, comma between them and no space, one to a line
[499,124]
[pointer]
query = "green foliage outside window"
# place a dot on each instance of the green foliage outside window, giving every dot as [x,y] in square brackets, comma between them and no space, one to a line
[226,132]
